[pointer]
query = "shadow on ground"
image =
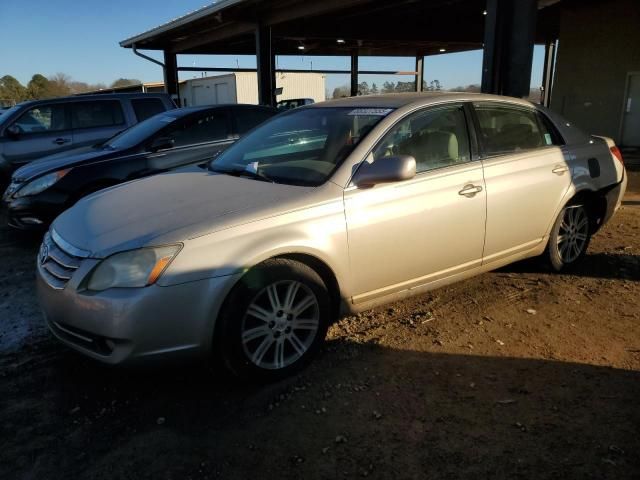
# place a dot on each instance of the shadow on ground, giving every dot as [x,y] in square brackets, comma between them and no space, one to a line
[596,265]
[360,410]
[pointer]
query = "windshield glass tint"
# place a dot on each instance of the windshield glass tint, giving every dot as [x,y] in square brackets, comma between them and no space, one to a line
[303,147]
[141,131]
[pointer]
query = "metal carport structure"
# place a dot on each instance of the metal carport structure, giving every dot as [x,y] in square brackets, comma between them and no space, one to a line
[506,29]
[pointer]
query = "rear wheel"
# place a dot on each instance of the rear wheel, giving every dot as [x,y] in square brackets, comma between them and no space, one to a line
[569,237]
[274,320]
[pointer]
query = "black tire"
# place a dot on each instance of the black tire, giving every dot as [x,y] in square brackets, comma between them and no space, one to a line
[578,238]
[275,278]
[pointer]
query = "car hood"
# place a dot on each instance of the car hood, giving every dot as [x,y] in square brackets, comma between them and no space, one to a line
[169,208]
[60,161]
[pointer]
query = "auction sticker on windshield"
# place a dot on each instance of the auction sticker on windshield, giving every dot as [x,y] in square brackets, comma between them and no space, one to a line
[371,111]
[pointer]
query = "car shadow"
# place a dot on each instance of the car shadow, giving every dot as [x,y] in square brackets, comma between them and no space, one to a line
[359,410]
[596,265]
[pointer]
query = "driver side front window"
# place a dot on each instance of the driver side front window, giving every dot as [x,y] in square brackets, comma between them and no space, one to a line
[436,138]
[42,119]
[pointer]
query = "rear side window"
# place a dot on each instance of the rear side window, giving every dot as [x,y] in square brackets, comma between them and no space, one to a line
[99,113]
[203,128]
[247,118]
[42,119]
[507,130]
[147,107]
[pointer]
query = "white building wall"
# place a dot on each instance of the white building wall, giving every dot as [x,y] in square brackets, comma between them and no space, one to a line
[301,85]
[208,90]
[242,87]
[247,87]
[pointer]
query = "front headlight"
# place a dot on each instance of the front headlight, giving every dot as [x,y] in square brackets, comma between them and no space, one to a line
[41,184]
[136,268]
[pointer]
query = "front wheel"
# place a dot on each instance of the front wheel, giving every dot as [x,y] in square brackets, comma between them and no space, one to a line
[570,237]
[274,320]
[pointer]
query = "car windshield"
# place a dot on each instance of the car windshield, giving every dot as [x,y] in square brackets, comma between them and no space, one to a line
[303,147]
[140,132]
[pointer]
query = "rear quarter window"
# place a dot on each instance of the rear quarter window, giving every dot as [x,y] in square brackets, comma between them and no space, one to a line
[147,107]
[551,133]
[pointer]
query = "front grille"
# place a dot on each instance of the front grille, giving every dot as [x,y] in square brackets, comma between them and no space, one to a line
[57,264]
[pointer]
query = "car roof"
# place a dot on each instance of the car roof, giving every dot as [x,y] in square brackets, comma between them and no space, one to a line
[184,111]
[96,96]
[397,100]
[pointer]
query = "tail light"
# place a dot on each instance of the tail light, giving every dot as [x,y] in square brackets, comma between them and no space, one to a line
[615,151]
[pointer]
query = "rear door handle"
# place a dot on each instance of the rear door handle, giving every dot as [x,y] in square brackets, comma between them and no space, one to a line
[560,169]
[61,141]
[470,190]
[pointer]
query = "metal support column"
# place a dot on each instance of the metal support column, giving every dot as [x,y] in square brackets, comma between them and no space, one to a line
[419,73]
[354,74]
[508,47]
[265,62]
[548,72]
[171,75]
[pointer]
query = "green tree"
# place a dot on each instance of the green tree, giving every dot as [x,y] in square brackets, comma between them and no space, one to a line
[388,87]
[374,89]
[405,87]
[59,85]
[434,86]
[11,89]
[38,87]
[340,92]
[125,82]
[363,88]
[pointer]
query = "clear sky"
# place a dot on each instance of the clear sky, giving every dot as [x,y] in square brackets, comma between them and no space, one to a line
[80,38]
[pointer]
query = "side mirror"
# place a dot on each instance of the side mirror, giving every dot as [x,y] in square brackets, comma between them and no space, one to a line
[385,170]
[13,132]
[162,143]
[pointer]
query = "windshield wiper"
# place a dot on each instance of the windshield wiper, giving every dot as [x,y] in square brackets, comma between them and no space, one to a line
[240,172]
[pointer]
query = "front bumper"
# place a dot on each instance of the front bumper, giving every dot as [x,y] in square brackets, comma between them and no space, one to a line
[35,212]
[131,325]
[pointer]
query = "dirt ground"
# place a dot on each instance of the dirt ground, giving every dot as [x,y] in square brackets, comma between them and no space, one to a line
[518,373]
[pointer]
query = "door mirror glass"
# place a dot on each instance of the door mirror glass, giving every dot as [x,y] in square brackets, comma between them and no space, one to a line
[162,143]
[385,170]
[13,132]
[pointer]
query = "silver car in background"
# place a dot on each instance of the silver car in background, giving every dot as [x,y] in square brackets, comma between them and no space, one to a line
[327,209]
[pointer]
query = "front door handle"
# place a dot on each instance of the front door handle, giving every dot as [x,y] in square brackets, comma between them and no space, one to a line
[470,190]
[61,141]
[560,169]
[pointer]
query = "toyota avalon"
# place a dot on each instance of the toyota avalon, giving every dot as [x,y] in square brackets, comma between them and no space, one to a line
[324,210]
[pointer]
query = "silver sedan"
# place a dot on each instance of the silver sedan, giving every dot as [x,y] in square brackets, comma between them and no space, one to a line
[325,210]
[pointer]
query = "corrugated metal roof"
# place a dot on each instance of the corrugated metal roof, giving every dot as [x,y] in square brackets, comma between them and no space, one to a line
[180,21]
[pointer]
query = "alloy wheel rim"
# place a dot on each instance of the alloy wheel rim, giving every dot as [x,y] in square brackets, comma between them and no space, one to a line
[280,324]
[573,233]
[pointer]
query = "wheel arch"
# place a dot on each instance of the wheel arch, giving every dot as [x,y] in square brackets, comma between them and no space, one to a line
[326,274]
[596,203]
[317,264]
